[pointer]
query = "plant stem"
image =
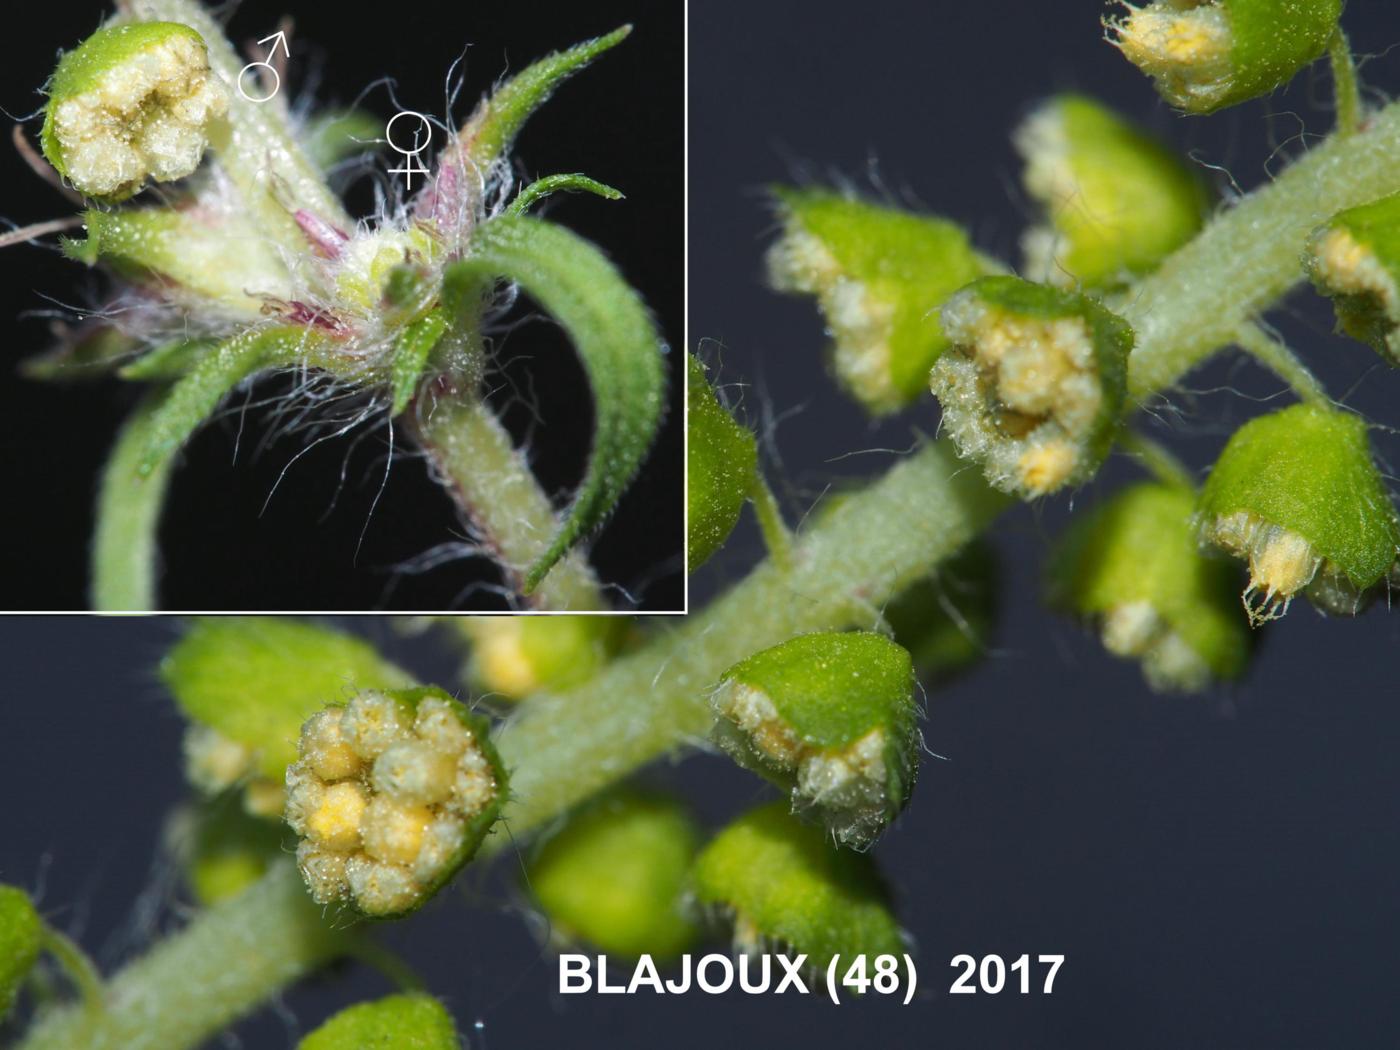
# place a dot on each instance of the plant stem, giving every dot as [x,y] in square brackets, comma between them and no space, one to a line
[494,486]
[843,570]
[124,549]
[1274,355]
[194,983]
[79,968]
[258,149]
[1249,256]
[1156,459]
[777,537]
[1345,89]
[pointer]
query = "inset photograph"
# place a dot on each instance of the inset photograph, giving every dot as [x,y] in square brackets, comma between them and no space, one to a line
[308,313]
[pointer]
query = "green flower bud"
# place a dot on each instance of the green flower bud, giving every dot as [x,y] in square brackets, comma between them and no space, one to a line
[131,102]
[514,656]
[783,885]
[411,1021]
[1297,495]
[1205,55]
[721,469]
[879,275]
[1355,259]
[21,938]
[946,621]
[830,718]
[392,795]
[615,872]
[248,683]
[1116,202]
[1034,384]
[1133,565]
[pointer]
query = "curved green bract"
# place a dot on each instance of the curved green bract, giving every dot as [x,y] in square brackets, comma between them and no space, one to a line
[498,119]
[783,883]
[614,873]
[1309,470]
[411,352]
[21,938]
[550,184]
[129,502]
[412,1021]
[615,341]
[334,137]
[1141,547]
[257,679]
[721,468]
[191,400]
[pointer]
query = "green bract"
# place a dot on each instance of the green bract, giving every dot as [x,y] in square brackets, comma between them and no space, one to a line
[1116,202]
[946,621]
[832,719]
[614,873]
[1297,495]
[514,656]
[397,1022]
[1205,55]
[1035,383]
[784,886]
[1134,566]
[132,101]
[392,794]
[721,469]
[880,275]
[1355,259]
[248,683]
[224,850]
[21,938]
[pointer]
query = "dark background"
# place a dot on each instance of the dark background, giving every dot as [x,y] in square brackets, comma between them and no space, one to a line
[619,121]
[1219,871]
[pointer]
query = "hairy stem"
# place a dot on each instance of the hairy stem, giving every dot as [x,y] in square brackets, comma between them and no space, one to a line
[843,570]
[1275,355]
[495,488]
[196,982]
[1345,88]
[1156,459]
[777,537]
[1249,256]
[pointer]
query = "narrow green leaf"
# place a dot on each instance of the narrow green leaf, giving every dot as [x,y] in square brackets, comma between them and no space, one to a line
[615,340]
[541,188]
[496,121]
[222,368]
[169,360]
[415,345]
[124,554]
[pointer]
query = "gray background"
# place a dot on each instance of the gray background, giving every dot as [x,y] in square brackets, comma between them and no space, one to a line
[1219,871]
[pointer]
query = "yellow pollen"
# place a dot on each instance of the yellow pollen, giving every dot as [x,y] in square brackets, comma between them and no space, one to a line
[336,822]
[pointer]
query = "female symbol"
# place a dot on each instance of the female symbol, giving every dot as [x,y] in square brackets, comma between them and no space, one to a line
[411,155]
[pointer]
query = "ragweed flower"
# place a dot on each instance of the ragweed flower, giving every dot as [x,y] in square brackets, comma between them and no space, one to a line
[1297,495]
[1205,55]
[1034,384]
[1116,201]
[133,101]
[1133,565]
[392,794]
[831,718]
[783,886]
[879,275]
[1355,259]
